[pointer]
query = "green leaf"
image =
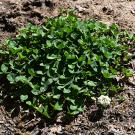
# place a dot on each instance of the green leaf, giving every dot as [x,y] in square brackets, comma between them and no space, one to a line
[60,87]
[76,87]
[80,108]
[106,74]
[73,107]
[70,100]
[128,72]
[48,44]
[108,54]
[43,89]
[11,63]
[74,112]
[90,83]
[39,72]
[31,71]
[35,51]
[69,56]
[57,106]
[94,65]
[49,81]
[36,90]
[23,97]
[66,90]
[29,103]
[82,58]
[11,78]
[71,71]
[62,77]
[4,68]
[52,56]
[71,66]
[11,44]
[56,96]
[43,110]
[22,79]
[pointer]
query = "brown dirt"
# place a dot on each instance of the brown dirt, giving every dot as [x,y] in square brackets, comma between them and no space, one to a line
[118,119]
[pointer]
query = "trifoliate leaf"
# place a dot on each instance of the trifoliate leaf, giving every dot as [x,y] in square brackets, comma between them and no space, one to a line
[4,68]
[23,97]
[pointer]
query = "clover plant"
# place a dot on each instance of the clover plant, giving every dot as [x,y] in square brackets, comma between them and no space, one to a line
[61,64]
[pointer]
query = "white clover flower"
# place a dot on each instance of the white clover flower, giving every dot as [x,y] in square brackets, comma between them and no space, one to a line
[104,100]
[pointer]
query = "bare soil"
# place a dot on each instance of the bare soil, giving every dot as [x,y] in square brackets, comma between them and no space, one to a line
[118,119]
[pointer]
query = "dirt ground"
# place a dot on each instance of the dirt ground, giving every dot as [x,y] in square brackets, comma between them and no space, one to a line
[118,119]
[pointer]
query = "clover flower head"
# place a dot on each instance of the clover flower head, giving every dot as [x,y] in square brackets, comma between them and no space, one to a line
[104,100]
